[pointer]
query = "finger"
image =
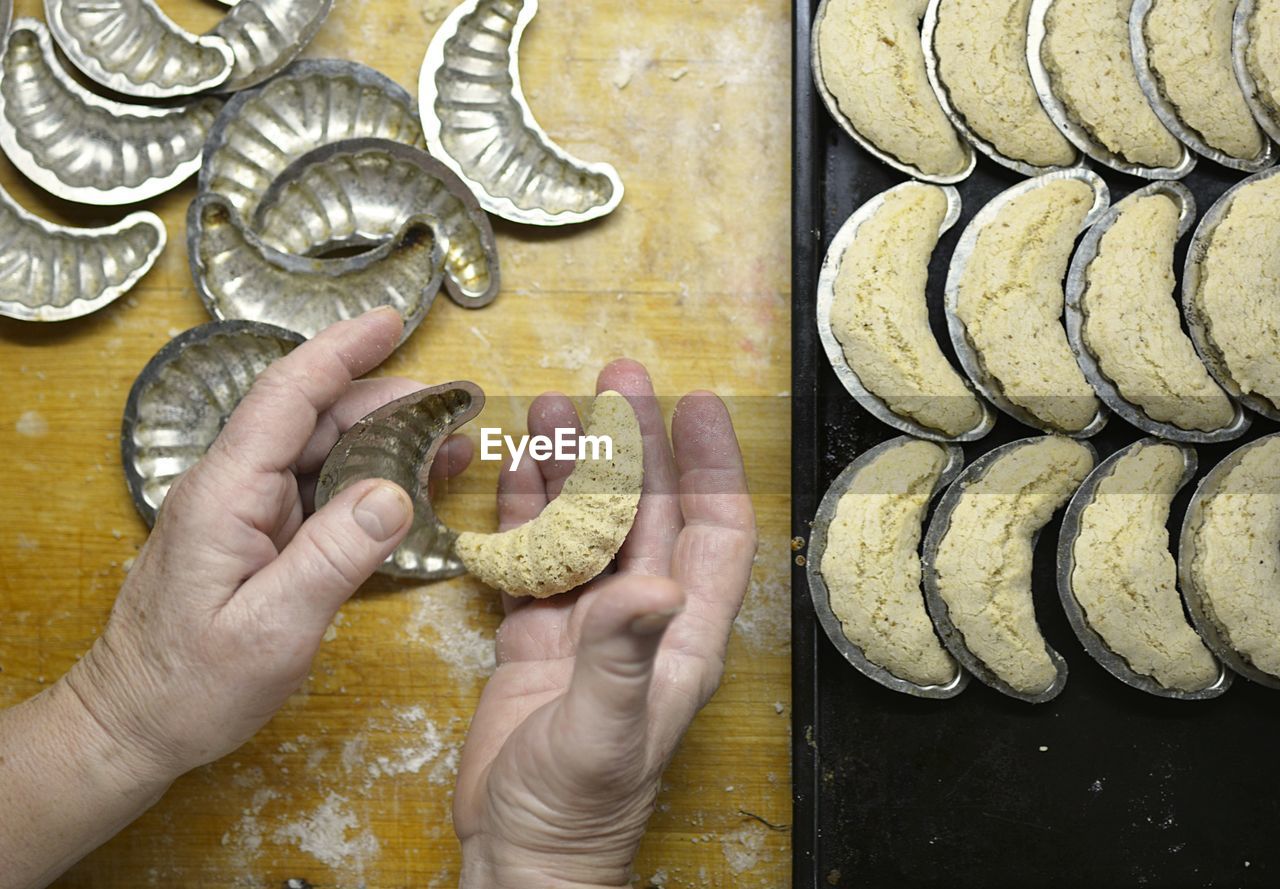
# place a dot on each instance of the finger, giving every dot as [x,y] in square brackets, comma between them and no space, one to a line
[548,413]
[522,493]
[362,398]
[647,549]
[334,551]
[271,427]
[606,707]
[715,550]
[451,460]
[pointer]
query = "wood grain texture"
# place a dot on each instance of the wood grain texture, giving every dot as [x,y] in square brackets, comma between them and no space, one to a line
[689,99]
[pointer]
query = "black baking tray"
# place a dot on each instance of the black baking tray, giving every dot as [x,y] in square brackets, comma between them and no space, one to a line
[1103,787]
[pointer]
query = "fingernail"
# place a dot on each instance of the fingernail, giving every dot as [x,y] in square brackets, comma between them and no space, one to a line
[382,512]
[376,309]
[649,624]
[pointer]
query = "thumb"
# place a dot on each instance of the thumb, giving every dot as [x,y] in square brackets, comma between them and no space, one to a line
[607,704]
[334,551]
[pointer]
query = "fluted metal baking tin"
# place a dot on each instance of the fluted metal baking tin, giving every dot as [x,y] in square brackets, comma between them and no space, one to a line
[182,398]
[969,358]
[872,403]
[833,108]
[1240,39]
[266,35]
[235,273]
[928,30]
[1168,114]
[51,272]
[1093,643]
[1198,606]
[1075,133]
[471,76]
[1196,324]
[952,638]
[82,147]
[132,47]
[359,192]
[1077,278]
[818,586]
[311,103]
[398,442]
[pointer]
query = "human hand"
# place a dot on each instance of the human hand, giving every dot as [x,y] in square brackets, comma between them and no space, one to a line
[224,609]
[595,688]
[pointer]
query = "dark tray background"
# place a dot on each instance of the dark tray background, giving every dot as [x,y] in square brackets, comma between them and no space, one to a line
[895,792]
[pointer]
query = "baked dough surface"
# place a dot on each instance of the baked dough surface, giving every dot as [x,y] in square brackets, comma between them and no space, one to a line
[579,532]
[1189,50]
[872,61]
[1262,57]
[881,318]
[1125,578]
[1086,52]
[1132,324]
[1010,300]
[982,60]
[1237,556]
[983,563]
[871,565]
[1239,292]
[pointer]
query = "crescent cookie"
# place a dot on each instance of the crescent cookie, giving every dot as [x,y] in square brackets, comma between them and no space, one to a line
[1189,50]
[580,531]
[1132,324]
[1125,578]
[983,561]
[880,315]
[981,47]
[1238,296]
[1236,567]
[1262,57]
[1010,300]
[870,59]
[1086,53]
[871,564]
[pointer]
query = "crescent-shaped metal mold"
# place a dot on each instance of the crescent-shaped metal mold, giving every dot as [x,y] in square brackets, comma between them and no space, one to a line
[132,47]
[478,121]
[359,192]
[238,276]
[266,35]
[184,395]
[82,147]
[398,442]
[311,103]
[52,273]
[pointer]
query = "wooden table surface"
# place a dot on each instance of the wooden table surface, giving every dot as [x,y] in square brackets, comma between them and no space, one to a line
[350,785]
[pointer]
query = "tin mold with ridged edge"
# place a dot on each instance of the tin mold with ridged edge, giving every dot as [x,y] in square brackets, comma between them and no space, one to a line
[1198,325]
[399,442]
[928,33]
[478,122]
[81,147]
[1075,315]
[968,355]
[312,103]
[1075,132]
[266,35]
[951,636]
[1092,641]
[238,276]
[820,596]
[184,395]
[360,192]
[1198,605]
[872,403]
[52,272]
[1164,108]
[133,48]
[833,108]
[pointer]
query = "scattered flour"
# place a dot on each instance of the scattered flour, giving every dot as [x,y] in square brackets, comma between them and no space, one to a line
[743,846]
[331,834]
[631,61]
[441,618]
[765,620]
[32,424]
[433,11]
[571,358]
